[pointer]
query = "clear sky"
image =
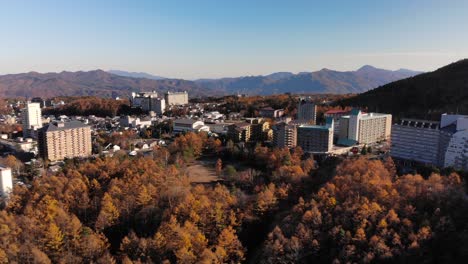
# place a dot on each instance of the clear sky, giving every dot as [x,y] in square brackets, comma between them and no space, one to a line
[218,38]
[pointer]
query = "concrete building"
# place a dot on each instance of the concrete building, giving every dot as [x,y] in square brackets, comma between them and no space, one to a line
[316,139]
[417,140]
[260,129]
[158,105]
[60,140]
[307,111]
[284,135]
[189,125]
[176,98]
[148,101]
[142,100]
[336,115]
[271,113]
[364,128]
[456,152]
[443,144]
[240,132]
[32,119]
[6,181]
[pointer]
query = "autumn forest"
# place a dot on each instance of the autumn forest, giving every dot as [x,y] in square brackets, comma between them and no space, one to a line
[271,206]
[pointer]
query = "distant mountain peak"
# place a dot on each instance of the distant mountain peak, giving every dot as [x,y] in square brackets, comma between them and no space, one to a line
[367,68]
[136,74]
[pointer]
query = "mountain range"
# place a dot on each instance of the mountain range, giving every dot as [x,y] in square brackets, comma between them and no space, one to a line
[425,96]
[323,81]
[136,74]
[121,83]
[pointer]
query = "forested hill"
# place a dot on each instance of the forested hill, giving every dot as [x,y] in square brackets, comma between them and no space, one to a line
[423,96]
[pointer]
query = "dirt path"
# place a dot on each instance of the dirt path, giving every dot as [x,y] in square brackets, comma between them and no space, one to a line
[201,173]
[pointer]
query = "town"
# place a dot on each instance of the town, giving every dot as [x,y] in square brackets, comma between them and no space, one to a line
[43,142]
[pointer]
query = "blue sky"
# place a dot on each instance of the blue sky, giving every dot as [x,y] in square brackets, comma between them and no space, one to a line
[207,38]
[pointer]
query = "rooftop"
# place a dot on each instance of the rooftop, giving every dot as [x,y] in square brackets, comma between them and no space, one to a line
[186,121]
[60,126]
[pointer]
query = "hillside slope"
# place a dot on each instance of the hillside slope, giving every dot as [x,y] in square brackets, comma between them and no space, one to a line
[424,96]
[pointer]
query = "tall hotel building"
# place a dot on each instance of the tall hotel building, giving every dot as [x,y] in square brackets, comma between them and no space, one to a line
[61,140]
[306,111]
[364,128]
[443,144]
[176,98]
[32,119]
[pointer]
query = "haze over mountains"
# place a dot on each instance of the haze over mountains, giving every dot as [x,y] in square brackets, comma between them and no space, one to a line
[122,83]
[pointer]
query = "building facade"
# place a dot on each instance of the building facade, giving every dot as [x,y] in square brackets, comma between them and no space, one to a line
[32,119]
[271,113]
[240,132]
[417,140]
[6,181]
[443,144]
[307,111]
[316,139]
[60,140]
[176,98]
[158,105]
[284,135]
[189,125]
[365,128]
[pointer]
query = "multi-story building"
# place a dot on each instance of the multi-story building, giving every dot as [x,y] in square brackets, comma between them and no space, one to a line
[417,140]
[307,111]
[142,100]
[60,140]
[6,181]
[32,119]
[189,125]
[148,101]
[456,154]
[158,105]
[336,115]
[316,139]
[443,144]
[260,129]
[176,98]
[284,135]
[240,132]
[269,112]
[364,128]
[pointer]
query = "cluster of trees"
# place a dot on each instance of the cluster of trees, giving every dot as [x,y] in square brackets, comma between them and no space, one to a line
[145,210]
[84,106]
[369,214]
[123,209]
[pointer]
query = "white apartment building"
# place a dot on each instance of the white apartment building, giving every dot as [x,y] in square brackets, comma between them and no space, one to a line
[365,128]
[284,135]
[189,125]
[32,119]
[6,181]
[176,98]
[307,111]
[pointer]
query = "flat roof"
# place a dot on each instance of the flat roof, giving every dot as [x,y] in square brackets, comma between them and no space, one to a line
[66,125]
